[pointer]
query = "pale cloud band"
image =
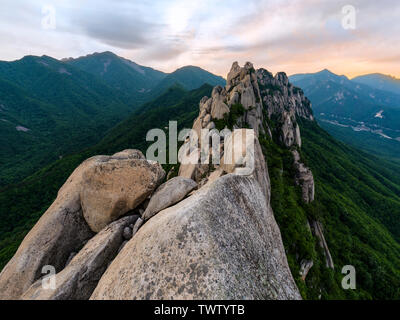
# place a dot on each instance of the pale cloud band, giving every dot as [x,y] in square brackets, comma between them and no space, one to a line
[294,36]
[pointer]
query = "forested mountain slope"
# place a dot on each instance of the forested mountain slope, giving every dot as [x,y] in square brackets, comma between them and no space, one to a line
[357,200]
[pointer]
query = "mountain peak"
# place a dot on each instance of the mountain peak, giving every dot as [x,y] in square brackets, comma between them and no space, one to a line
[326,71]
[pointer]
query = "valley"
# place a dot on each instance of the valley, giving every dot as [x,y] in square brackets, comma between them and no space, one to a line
[355,111]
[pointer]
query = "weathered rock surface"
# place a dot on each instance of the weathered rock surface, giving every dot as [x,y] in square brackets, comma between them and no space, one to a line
[100,190]
[279,95]
[318,232]
[241,89]
[243,155]
[127,233]
[305,266]
[284,101]
[304,178]
[78,280]
[220,243]
[168,194]
[112,188]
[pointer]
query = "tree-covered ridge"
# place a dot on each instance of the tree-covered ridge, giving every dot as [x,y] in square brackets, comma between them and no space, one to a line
[49,109]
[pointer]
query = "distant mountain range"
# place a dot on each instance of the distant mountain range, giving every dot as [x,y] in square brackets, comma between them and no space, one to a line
[51,107]
[361,111]
[380,81]
[138,83]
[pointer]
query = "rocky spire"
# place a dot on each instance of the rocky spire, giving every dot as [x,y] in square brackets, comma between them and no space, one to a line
[248,98]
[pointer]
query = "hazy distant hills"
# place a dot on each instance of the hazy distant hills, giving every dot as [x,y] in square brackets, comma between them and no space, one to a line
[380,81]
[358,113]
[49,108]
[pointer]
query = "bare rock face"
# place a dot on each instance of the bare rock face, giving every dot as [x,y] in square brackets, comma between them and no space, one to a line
[112,188]
[305,266]
[220,243]
[286,102]
[168,194]
[245,157]
[279,95]
[241,90]
[290,130]
[304,178]
[317,230]
[218,106]
[78,280]
[97,192]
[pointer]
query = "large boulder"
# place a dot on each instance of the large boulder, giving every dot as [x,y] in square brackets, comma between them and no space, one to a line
[100,190]
[79,278]
[112,188]
[220,243]
[169,193]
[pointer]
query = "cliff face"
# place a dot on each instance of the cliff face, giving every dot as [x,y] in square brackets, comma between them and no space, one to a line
[208,234]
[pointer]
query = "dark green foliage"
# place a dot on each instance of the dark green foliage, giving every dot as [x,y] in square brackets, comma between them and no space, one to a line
[132,81]
[189,77]
[368,141]
[64,108]
[22,204]
[230,119]
[357,226]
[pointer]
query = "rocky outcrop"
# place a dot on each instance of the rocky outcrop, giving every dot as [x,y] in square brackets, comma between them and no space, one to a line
[101,184]
[318,232]
[241,92]
[168,194]
[279,95]
[284,102]
[246,158]
[220,243]
[304,178]
[80,277]
[112,188]
[305,266]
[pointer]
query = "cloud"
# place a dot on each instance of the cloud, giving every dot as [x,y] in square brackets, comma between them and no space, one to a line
[291,35]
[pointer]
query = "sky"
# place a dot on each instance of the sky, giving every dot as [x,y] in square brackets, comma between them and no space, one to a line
[295,36]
